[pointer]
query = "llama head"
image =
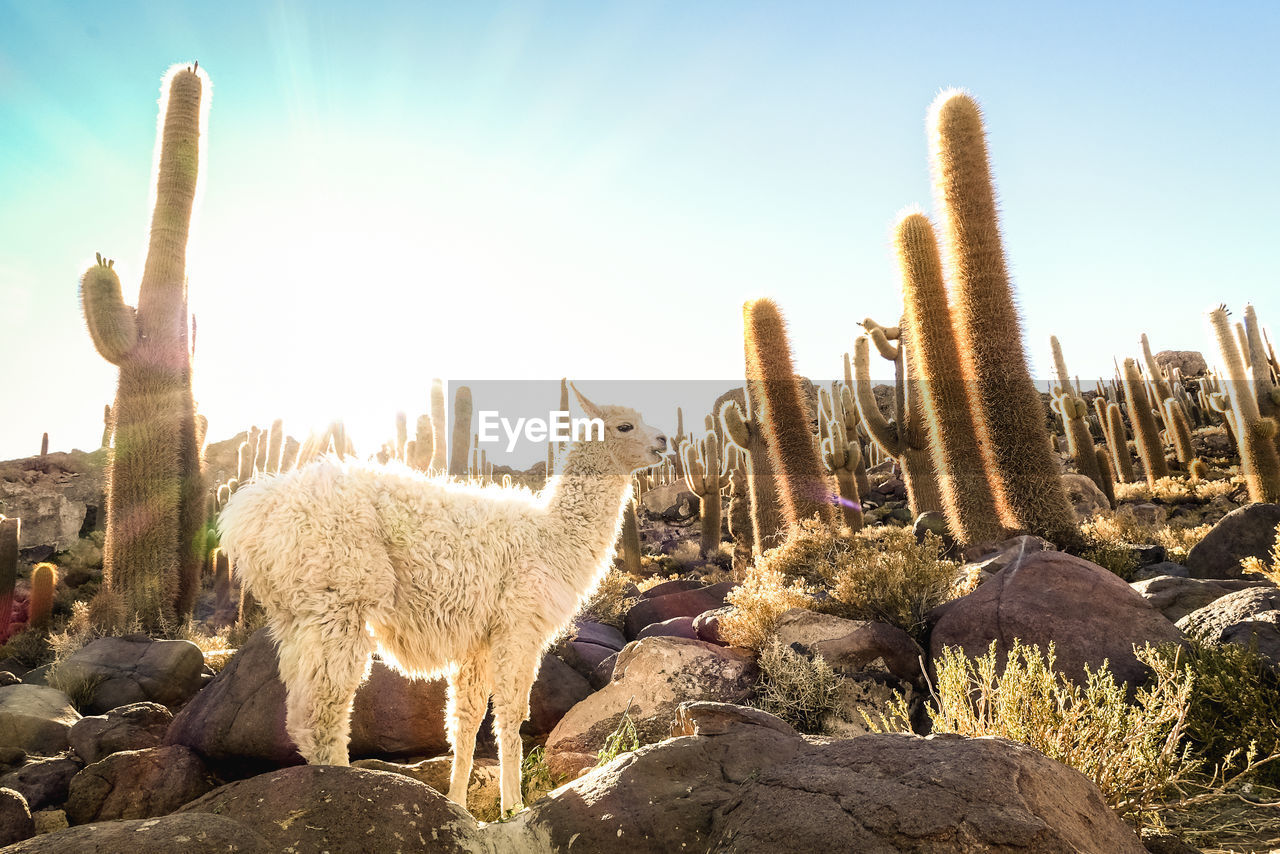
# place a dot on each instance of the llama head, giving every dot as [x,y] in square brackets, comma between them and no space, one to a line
[633,444]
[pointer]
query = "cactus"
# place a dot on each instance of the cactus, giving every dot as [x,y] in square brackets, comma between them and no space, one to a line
[745,432]
[1179,431]
[275,446]
[1108,476]
[1255,435]
[1079,441]
[43,578]
[221,581]
[439,429]
[631,554]
[1265,388]
[968,500]
[801,484]
[1009,414]
[10,529]
[706,474]
[155,464]
[460,447]
[1145,431]
[244,461]
[741,528]
[422,443]
[1118,443]
[107,426]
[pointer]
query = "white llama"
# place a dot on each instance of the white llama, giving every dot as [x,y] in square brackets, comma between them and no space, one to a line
[444,579]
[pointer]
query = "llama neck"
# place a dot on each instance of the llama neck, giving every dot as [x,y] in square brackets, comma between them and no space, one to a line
[585,507]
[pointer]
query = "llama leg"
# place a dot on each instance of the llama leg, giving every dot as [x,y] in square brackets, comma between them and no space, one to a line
[514,672]
[322,663]
[468,701]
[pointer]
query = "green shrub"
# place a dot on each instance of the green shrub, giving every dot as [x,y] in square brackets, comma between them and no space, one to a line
[623,739]
[536,778]
[801,691]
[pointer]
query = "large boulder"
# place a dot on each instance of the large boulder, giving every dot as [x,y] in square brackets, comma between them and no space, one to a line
[852,646]
[135,669]
[239,717]
[1087,612]
[313,808]
[650,679]
[557,689]
[484,794]
[1190,363]
[683,603]
[137,784]
[35,718]
[189,833]
[16,823]
[44,782]
[1248,531]
[1245,617]
[133,727]
[1175,596]
[56,499]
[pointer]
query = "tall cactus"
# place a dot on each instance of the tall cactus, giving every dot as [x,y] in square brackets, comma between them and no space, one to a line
[460,446]
[1145,432]
[1010,414]
[439,429]
[1118,442]
[801,483]
[1256,436]
[155,464]
[706,475]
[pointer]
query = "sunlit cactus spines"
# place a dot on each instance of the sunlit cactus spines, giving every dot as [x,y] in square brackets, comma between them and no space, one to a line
[706,475]
[988,329]
[1079,441]
[785,421]
[1179,431]
[842,458]
[155,463]
[1108,482]
[422,442]
[1255,435]
[1146,433]
[1158,377]
[44,576]
[968,496]
[1118,444]
[1262,370]
[631,553]
[460,443]
[743,429]
[741,528]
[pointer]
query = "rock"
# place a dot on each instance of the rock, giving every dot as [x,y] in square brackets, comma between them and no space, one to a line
[671,502]
[190,834]
[1085,495]
[600,634]
[604,672]
[35,718]
[1243,617]
[11,758]
[993,557]
[708,625]
[557,689]
[1165,568]
[651,678]
[701,717]
[134,669]
[675,585]
[803,628]
[688,603]
[16,823]
[1190,363]
[585,658]
[1166,843]
[137,784]
[1175,596]
[1088,612]
[239,717]
[7,678]
[1147,513]
[132,727]
[484,792]
[905,793]
[1244,532]
[43,782]
[874,645]
[54,506]
[676,627]
[331,808]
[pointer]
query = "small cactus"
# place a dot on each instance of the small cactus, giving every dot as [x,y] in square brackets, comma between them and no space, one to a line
[43,578]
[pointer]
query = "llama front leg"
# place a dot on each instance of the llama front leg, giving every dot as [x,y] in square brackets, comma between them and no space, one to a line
[468,701]
[322,663]
[514,672]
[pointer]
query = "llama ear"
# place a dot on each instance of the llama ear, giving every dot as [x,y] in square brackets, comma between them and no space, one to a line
[588,407]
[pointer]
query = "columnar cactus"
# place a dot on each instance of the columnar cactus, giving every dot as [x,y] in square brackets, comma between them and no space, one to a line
[275,446]
[422,443]
[631,554]
[43,578]
[1265,387]
[9,532]
[439,429]
[706,475]
[801,484]
[1161,388]
[839,411]
[155,465]
[1145,432]
[1079,441]
[460,447]
[745,431]
[1255,435]
[842,458]
[1010,416]
[1118,443]
[741,527]
[402,436]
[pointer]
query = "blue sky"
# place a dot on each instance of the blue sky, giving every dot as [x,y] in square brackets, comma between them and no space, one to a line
[529,190]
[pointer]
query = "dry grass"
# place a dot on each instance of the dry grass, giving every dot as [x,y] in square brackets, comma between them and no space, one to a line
[612,599]
[1108,532]
[801,691]
[1269,571]
[1176,490]
[763,596]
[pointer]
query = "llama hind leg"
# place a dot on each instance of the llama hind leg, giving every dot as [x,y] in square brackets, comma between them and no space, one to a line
[514,671]
[468,701]
[322,663]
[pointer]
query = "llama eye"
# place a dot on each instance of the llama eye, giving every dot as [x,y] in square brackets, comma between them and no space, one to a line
[622,428]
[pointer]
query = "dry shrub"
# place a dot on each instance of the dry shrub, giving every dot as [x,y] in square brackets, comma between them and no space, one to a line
[611,601]
[1176,490]
[762,597]
[1109,533]
[802,691]
[1270,571]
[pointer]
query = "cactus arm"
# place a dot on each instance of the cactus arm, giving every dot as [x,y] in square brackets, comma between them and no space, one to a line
[882,433]
[113,325]
[1259,364]
[735,424]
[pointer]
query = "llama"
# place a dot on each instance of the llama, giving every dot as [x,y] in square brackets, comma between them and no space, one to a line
[441,578]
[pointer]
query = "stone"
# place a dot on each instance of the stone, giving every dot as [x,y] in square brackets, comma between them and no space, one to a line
[1177,596]
[1163,569]
[44,782]
[338,808]
[132,727]
[35,718]
[676,627]
[703,717]
[484,790]
[874,645]
[1089,613]
[585,658]
[54,505]
[600,634]
[1190,363]
[137,784]
[1244,617]
[993,557]
[651,678]
[189,834]
[1248,531]
[671,502]
[709,625]
[675,585]
[239,717]
[134,669]
[557,689]
[16,823]
[1084,494]
[687,603]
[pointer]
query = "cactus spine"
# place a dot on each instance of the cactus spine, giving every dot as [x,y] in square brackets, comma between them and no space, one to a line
[967,498]
[1255,435]
[1009,413]
[10,529]
[460,447]
[1145,431]
[43,578]
[706,475]
[801,484]
[154,470]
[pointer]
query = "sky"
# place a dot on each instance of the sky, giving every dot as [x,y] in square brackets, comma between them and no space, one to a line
[524,190]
